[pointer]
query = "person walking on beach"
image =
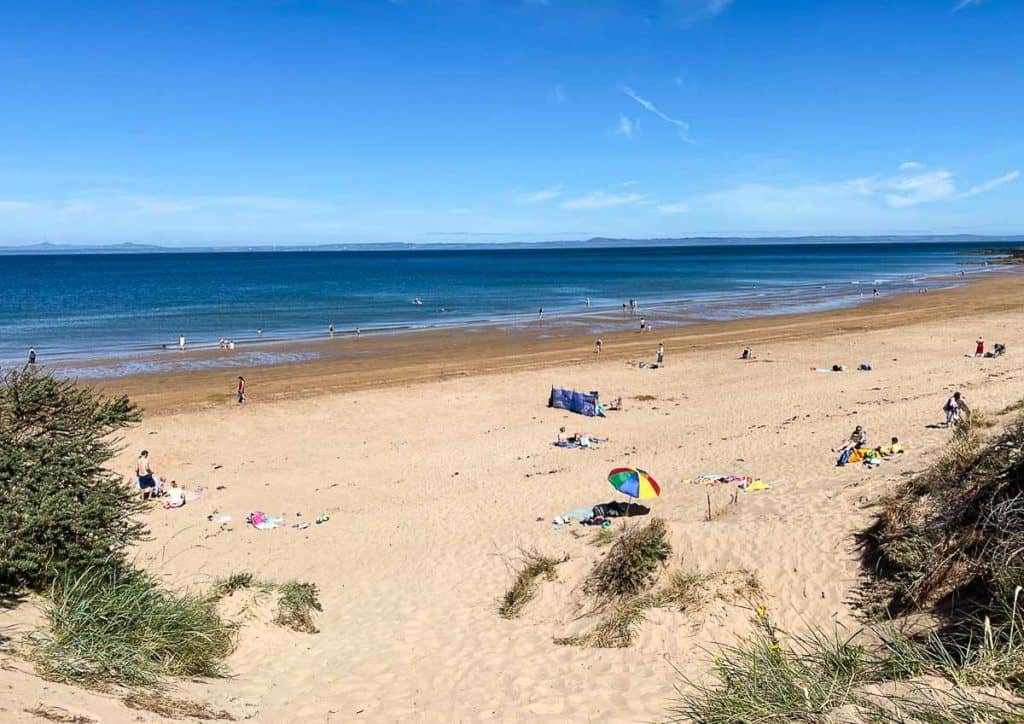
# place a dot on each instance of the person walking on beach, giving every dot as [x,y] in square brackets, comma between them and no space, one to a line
[31,355]
[661,354]
[181,341]
[330,329]
[241,389]
[979,349]
[597,345]
[643,324]
[259,332]
[540,313]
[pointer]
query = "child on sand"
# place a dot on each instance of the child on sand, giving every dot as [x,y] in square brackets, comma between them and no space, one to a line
[597,346]
[979,349]
[661,354]
[175,496]
[241,389]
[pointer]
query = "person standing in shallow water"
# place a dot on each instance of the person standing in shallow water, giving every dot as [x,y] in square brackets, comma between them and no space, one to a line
[330,330]
[241,389]
[31,355]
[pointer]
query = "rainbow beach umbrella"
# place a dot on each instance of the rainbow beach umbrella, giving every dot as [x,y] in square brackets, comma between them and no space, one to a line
[634,482]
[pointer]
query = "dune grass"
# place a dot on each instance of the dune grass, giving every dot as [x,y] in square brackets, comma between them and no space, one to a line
[296,605]
[118,625]
[297,602]
[631,563]
[535,567]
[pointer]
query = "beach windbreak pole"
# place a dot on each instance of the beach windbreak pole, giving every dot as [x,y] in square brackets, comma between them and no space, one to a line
[635,483]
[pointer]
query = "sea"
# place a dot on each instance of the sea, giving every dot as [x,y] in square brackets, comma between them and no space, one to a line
[131,308]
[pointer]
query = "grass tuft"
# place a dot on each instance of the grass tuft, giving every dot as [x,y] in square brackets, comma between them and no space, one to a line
[172,707]
[57,714]
[296,606]
[630,565]
[535,567]
[616,629]
[604,537]
[118,625]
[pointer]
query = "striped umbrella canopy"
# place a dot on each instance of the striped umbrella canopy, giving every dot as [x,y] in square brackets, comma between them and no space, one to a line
[634,482]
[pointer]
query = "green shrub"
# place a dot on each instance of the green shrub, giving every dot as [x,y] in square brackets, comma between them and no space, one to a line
[114,624]
[61,509]
[631,562]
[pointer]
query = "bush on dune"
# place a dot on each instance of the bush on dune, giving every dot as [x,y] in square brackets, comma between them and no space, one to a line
[61,509]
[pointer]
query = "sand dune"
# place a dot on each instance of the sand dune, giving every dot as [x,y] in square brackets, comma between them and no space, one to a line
[433,488]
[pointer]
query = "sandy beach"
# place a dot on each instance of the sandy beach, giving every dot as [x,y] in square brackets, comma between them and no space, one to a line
[432,454]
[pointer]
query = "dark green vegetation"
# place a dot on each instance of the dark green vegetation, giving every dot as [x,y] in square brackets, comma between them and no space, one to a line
[61,509]
[66,525]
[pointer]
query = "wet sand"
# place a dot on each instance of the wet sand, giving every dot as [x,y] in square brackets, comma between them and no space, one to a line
[350,363]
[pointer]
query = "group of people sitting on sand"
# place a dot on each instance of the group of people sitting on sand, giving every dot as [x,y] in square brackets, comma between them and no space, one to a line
[856,449]
[226,343]
[151,486]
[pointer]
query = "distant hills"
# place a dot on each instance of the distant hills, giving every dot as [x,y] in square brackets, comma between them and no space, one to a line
[595,242]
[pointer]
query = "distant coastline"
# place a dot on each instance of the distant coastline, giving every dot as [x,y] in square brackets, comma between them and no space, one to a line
[597,242]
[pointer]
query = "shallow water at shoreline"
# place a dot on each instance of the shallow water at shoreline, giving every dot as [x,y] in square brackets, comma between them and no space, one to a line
[76,309]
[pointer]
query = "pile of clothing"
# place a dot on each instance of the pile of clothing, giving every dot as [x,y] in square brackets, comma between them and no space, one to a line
[602,513]
[746,483]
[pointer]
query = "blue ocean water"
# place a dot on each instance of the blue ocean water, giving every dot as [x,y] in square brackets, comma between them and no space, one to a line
[87,305]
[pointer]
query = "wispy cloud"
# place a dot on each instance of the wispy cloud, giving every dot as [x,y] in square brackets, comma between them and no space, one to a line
[692,11]
[535,197]
[680,207]
[964,4]
[991,184]
[602,200]
[682,126]
[557,94]
[15,206]
[626,126]
[911,166]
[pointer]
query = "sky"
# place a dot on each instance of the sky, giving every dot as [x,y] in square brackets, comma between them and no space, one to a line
[286,122]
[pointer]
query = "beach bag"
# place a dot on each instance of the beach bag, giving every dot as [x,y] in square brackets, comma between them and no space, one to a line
[844,458]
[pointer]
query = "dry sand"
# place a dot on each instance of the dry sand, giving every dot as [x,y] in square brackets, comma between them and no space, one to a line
[434,486]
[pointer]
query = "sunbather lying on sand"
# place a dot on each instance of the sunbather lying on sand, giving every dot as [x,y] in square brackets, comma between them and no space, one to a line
[893,448]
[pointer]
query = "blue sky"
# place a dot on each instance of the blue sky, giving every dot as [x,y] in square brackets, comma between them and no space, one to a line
[468,120]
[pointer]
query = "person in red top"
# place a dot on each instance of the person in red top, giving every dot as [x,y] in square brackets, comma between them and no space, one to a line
[979,351]
[241,389]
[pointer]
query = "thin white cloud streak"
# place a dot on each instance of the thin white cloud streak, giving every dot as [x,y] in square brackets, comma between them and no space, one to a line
[964,4]
[683,126]
[602,200]
[912,166]
[536,197]
[680,207]
[991,184]
[625,127]
[8,206]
